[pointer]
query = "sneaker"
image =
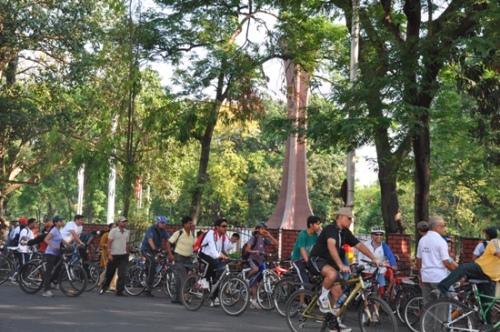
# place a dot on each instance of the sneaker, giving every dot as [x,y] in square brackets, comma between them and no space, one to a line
[343,328]
[302,306]
[215,302]
[47,294]
[204,283]
[435,294]
[54,286]
[324,305]
[254,304]
[103,290]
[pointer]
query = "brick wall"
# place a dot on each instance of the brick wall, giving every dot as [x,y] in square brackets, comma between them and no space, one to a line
[400,245]
[468,246]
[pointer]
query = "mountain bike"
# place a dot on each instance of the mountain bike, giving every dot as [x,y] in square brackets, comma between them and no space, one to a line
[447,314]
[233,291]
[136,276]
[373,312]
[72,278]
[267,279]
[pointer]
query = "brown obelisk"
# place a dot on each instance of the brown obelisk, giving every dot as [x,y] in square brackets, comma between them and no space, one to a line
[293,205]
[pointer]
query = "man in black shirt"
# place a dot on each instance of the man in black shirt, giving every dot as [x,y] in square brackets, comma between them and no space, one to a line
[327,256]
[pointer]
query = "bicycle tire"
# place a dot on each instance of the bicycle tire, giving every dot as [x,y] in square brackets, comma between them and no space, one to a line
[402,297]
[234,296]
[265,291]
[304,319]
[375,314]
[282,291]
[171,282]
[192,294]
[135,282]
[6,266]
[31,278]
[93,270]
[72,280]
[446,315]
[413,311]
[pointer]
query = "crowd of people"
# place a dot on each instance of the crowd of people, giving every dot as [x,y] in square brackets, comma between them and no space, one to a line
[317,250]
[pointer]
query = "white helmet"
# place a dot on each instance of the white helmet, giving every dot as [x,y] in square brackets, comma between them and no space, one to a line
[377,229]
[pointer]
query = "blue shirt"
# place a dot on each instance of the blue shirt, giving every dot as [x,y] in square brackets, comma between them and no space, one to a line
[55,241]
[153,232]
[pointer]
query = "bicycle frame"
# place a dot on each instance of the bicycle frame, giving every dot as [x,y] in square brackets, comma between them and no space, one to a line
[494,302]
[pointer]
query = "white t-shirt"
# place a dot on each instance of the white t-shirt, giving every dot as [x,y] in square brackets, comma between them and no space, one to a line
[377,252]
[433,250]
[28,233]
[66,234]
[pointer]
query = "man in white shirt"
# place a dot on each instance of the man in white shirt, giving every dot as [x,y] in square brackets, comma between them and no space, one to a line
[72,230]
[432,258]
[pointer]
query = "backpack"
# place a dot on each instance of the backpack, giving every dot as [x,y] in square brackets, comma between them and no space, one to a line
[172,245]
[244,254]
[197,245]
[14,242]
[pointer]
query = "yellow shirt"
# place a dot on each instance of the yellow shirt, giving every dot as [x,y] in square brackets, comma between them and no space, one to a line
[183,242]
[489,261]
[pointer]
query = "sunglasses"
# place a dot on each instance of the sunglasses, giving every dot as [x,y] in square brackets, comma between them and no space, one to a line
[378,234]
[224,226]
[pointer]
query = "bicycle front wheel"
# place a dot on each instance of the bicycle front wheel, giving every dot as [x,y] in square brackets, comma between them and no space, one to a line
[31,278]
[448,315]
[171,282]
[413,311]
[93,270]
[303,314]
[73,280]
[376,315]
[282,291]
[192,293]
[5,268]
[136,280]
[234,296]
[265,291]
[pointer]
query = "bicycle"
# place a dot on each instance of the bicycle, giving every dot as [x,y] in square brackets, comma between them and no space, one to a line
[447,314]
[373,312]
[233,292]
[72,278]
[267,280]
[136,276]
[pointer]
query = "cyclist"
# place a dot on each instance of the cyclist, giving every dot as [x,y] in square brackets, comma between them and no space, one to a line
[53,242]
[150,246]
[483,268]
[183,240]
[72,230]
[255,247]
[382,251]
[327,254]
[212,253]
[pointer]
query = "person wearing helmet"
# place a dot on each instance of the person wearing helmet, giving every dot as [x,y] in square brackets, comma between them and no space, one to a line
[150,246]
[381,250]
[255,247]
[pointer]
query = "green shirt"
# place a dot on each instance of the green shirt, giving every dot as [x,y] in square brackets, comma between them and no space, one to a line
[304,240]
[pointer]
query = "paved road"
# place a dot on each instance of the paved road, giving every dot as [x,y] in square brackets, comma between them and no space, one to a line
[20,312]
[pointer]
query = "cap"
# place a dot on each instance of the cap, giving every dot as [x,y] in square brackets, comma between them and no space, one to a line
[345,212]
[260,224]
[423,226]
[377,229]
[122,218]
[23,221]
[491,232]
[57,218]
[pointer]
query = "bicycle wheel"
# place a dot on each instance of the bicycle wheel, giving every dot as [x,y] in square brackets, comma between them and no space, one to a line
[193,294]
[448,315]
[136,280]
[234,296]
[305,316]
[93,270]
[282,291]
[72,280]
[376,315]
[402,297]
[265,291]
[171,282]
[413,311]
[31,278]
[5,268]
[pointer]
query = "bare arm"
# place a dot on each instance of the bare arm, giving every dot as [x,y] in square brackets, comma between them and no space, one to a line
[76,237]
[304,254]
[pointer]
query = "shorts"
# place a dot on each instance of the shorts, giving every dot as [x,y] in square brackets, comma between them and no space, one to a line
[316,264]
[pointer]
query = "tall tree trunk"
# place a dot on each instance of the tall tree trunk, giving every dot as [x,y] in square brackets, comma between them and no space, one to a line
[422,151]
